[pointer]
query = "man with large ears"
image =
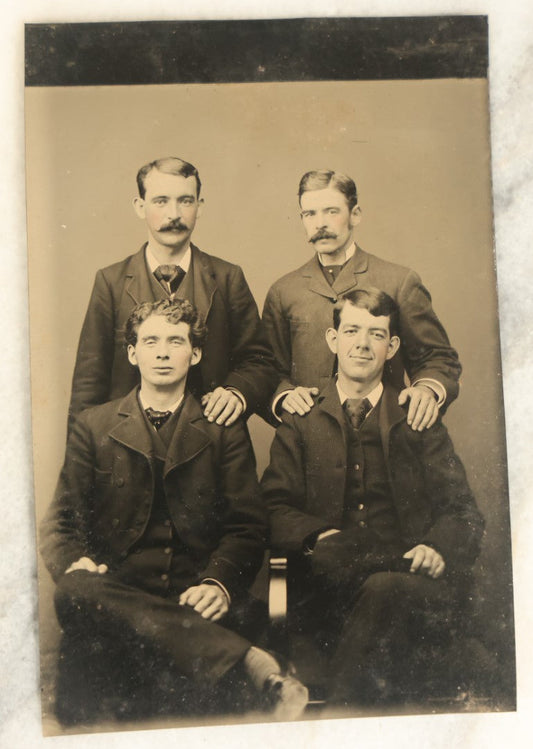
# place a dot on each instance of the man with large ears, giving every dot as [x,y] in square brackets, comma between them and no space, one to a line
[235,377]
[156,532]
[298,309]
[378,518]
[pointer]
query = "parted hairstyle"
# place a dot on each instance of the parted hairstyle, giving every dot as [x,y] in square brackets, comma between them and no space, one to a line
[322,178]
[174,310]
[168,165]
[377,302]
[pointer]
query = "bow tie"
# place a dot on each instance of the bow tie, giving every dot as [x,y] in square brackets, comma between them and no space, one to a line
[357,409]
[173,275]
[157,418]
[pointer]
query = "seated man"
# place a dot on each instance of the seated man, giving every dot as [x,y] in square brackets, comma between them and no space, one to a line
[378,518]
[156,532]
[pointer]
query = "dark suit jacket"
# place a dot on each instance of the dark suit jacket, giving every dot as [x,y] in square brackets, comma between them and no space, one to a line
[304,485]
[235,354]
[105,492]
[299,309]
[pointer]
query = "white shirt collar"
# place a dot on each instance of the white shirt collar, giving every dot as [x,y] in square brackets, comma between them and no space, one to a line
[153,262]
[171,408]
[350,252]
[373,396]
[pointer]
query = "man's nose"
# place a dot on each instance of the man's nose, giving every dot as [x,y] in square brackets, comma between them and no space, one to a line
[162,351]
[173,209]
[362,339]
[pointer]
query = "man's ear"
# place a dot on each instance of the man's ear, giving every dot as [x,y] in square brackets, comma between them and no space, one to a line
[196,356]
[131,355]
[355,215]
[331,340]
[138,206]
[394,345]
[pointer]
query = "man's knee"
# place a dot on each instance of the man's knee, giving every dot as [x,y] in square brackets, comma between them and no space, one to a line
[74,592]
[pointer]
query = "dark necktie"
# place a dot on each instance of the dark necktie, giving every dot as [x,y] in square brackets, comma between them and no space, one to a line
[173,275]
[157,418]
[331,272]
[357,409]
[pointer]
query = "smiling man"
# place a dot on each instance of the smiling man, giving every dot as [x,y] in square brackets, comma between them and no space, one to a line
[235,376]
[298,309]
[154,536]
[378,519]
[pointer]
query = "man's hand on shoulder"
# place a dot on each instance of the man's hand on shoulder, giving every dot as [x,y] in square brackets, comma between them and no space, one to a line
[223,406]
[85,563]
[207,599]
[423,409]
[300,400]
[426,561]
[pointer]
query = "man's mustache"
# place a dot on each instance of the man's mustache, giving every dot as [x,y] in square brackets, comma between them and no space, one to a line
[174,226]
[322,234]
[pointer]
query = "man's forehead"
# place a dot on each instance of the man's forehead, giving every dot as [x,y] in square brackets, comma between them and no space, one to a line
[322,198]
[171,184]
[352,315]
[160,324]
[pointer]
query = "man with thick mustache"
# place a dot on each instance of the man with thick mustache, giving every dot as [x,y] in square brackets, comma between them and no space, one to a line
[298,310]
[236,375]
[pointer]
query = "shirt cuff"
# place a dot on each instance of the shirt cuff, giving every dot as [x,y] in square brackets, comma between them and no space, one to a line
[437,387]
[212,581]
[240,396]
[277,402]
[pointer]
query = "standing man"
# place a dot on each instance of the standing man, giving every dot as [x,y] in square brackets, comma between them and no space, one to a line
[236,375]
[156,531]
[298,309]
[379,518]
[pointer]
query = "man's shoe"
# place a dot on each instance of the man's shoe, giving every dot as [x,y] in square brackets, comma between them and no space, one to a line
[286,697]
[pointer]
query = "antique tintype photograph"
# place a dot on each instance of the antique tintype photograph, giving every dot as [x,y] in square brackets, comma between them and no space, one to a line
[268,433]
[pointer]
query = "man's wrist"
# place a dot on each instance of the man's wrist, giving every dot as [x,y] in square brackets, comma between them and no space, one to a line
[435,386]
[213,581]
[239,395]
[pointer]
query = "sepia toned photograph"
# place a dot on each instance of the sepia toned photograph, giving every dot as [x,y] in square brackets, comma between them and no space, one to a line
[268,434]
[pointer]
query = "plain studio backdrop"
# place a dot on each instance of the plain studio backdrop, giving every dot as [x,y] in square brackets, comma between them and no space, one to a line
[419,153]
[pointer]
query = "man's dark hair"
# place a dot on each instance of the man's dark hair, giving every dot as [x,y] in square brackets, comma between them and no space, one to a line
[377,302]
[322,178]
[174,310]
[168,165]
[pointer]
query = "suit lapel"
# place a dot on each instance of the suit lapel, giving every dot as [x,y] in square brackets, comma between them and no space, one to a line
[138,285]
[131,430]
[390,413]
[346,280]
[190,436]
[316,280]
[204,283]
[348,277]
[329,402]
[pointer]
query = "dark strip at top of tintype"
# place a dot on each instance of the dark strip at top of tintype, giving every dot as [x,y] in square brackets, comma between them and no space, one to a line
[90,54]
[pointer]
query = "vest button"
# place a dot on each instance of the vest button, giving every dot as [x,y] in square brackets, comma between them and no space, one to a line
[360,507]
[362,524]
[357,466]
[120,481]
[168,550]
[164,576]
[167,523]
[115,522]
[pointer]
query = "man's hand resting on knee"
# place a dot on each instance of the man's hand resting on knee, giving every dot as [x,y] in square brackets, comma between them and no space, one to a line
[426,561]
[84,563]
[208,600]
